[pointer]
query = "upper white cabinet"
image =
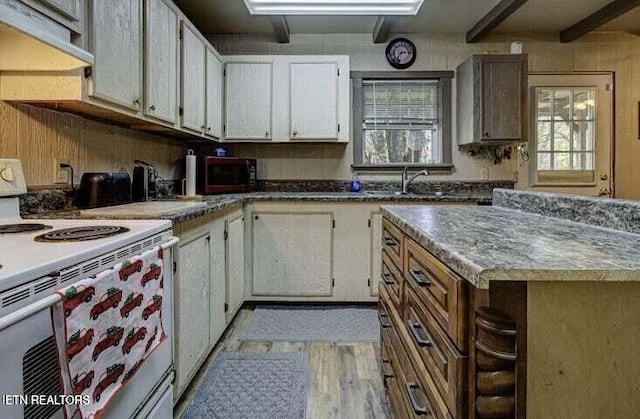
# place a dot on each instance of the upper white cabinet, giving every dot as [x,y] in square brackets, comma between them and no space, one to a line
[116,42]
[67,8]
[248,93]
[287,98]
[161,55]
[193,79]
[213,94]
[313,98]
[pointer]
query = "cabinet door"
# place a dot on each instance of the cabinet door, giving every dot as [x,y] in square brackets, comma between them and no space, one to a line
[248,92]
[217,286]
[68,8]
[313,98]
[235,264]
[292,254]
[502,100]
[116,30]
[192,341]
[193,79]
[375,246]
[161,69]
[214,95]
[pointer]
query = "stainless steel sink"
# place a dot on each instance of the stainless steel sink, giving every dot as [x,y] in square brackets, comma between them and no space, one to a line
[398,193]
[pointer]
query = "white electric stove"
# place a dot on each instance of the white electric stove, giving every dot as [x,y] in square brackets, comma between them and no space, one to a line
[37,257]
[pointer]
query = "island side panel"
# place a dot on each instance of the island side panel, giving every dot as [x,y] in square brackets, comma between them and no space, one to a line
[583,341]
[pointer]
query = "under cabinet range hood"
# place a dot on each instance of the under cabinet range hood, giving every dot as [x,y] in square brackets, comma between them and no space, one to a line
[31,41]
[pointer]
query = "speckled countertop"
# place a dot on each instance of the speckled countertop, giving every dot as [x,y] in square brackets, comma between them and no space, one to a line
[483,243]
[216,203]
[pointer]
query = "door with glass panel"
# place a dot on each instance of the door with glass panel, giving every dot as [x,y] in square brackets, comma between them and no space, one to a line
[571,134]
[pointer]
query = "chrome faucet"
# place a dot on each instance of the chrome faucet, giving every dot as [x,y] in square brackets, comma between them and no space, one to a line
[406,182]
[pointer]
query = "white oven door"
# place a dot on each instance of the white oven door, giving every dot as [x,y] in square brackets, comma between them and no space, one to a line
[29,365]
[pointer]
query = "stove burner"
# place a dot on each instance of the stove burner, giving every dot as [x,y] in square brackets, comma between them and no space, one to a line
[77,234]
[21,228]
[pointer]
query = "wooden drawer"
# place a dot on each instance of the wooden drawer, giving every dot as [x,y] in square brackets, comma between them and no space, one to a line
[392,242]
[392,280]
[396,402]
[442,291]
[416,400]
[438,357]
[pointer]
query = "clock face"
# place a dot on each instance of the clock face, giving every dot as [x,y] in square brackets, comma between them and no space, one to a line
[401,53]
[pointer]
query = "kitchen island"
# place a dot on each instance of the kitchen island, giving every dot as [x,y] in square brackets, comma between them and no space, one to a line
[496,312]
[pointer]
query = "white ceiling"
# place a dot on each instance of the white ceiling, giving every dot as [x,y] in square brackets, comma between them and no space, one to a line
[442,16]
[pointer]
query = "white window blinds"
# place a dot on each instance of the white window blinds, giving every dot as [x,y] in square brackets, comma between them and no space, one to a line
[400,104]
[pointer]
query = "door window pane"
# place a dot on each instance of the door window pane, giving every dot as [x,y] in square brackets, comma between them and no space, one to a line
[565,128]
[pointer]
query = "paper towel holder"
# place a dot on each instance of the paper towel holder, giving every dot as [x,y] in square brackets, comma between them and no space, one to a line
[184,196]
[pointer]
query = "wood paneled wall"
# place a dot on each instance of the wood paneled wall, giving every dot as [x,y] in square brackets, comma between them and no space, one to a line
[39,136]
[598,51]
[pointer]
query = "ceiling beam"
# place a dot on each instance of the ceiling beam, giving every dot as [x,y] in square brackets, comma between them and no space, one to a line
[597,19]
[281,28]
[497,15]
[381,30]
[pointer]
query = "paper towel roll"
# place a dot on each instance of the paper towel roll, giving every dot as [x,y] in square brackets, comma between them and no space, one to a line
[190,189]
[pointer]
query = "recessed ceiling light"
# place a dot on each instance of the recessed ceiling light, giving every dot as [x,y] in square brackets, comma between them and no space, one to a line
[333,7]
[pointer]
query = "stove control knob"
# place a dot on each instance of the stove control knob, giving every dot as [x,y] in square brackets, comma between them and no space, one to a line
[7,174]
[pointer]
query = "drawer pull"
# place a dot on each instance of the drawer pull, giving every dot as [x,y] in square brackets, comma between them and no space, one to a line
[386,374]
[420,410]
[386,280]
[417,276]
[381,317]
[413,329]
[388,241]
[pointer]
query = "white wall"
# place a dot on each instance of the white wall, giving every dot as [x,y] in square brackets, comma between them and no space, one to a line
[329,161]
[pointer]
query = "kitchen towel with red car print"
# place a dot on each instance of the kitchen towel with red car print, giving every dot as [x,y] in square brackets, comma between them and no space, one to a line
[106,326]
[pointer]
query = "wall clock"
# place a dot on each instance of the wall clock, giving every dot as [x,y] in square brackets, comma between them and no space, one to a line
[401,53]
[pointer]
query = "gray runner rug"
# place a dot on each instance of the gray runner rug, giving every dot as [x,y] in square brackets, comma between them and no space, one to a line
[313,323]
[253,385]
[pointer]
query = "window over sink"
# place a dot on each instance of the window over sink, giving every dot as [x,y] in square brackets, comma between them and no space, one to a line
[402,118]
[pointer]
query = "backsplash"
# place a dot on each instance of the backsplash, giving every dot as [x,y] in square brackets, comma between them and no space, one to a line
[417,186]
[39,137]
[616,214]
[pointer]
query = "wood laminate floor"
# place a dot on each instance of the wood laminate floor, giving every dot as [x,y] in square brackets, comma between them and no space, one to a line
[344,378]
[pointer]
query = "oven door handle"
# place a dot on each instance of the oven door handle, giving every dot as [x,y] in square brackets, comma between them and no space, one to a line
[28,311]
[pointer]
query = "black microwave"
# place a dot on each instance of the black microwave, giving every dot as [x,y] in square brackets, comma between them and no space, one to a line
[218,175]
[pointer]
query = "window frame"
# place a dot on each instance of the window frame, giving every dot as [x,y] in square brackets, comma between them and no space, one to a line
[444,79]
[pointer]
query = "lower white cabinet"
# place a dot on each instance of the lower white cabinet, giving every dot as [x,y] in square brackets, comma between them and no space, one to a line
[192,297]
[375,249]
[210,248]
[292,253]
[234,261]
[315,251]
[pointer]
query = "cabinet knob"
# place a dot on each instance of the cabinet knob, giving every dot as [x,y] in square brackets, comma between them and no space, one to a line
[256,217]
[152,107]
[136,101]
[295,133]
[486,134]
[208,128]
[202,127]
[266,134]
